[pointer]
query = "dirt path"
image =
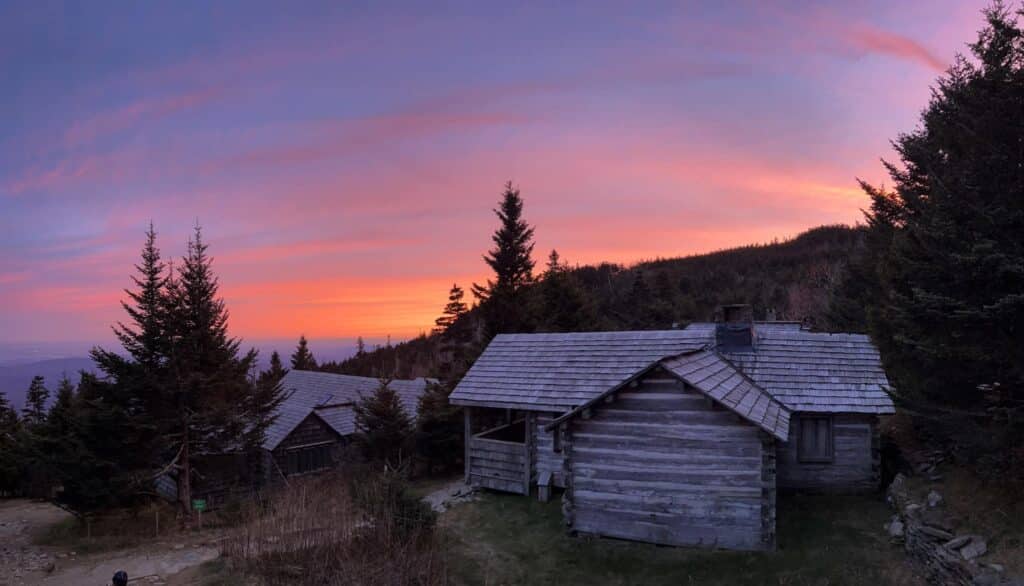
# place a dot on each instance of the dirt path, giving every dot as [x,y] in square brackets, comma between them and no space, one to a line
[451,493]
[22,562]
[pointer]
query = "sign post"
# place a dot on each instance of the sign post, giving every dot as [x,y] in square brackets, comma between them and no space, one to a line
[199,505]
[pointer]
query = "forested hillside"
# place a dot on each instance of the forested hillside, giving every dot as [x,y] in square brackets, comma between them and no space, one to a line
[792,280]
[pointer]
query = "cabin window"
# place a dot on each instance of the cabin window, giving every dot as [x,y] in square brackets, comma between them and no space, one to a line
[556,439]
[814,441]
[309,459]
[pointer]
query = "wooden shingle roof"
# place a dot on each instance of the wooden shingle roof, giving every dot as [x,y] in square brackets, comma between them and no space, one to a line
[804,371]
[817,372]
[710,373]
[331,396]
[557,372]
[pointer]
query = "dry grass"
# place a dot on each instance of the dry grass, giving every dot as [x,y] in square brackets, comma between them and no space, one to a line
[327,530]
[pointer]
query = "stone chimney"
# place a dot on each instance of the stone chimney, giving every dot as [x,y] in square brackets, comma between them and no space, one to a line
[734,328]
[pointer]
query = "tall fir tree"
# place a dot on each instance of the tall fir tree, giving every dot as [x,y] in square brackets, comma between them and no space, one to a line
[302,358]
[945,258]
[954,269]
[34,411]
[511,260]
[144,339]
[218,408]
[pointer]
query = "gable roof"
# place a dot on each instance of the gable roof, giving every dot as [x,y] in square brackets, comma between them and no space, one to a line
[330,396]
[558,372]
[709,373]
[804,371]
[815,371]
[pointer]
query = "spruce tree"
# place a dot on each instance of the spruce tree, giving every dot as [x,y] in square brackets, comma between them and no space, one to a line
[34,411]
[144,339]
[217,410]
[383,425]
[955,267]
[502,297]
[302,358]
[9,464]
[562,305]
[947,251]
[452,311]
[276,371]
[439,426]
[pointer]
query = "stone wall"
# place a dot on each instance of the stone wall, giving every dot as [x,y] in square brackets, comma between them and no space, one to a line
[930,538]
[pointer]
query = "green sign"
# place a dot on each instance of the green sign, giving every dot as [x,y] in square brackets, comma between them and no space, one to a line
[199,505]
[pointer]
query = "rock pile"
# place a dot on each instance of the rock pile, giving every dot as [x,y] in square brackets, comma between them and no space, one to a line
[930,537]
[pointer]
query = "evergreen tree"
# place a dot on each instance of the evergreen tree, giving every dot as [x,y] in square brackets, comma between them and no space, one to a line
[276,371]
[302,358]
[9,465]
[452,311]
[562,305]
[34,412]
[439,426]
[140,394]
[383,425]
[360,346]
[218,408]
[945,257]
[94,447]
[144,339]
[502,297]
[954,269]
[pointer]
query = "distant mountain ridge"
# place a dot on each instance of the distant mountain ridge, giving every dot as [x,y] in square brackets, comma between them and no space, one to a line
[787,280]
[15,379]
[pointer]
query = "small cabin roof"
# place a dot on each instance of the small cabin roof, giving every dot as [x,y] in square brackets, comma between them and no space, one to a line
[802,370]
[331,397]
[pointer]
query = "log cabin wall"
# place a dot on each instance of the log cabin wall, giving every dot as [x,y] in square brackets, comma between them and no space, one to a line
[854,465]
[661,463]
[545,456]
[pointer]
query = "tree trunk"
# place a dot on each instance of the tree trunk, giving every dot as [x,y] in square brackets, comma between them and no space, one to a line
[185,484]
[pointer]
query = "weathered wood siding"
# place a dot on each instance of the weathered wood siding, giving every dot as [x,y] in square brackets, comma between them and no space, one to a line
[661,464]
[545,458]
[311,431]
[498,465]
[855,465]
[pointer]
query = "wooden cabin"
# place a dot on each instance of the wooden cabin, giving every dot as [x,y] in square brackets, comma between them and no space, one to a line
[316,421]
[678,437]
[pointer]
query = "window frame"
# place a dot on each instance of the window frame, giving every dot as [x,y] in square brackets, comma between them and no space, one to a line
[308,459]
[802,454]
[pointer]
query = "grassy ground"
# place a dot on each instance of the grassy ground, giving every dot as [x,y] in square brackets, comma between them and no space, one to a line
[505,539]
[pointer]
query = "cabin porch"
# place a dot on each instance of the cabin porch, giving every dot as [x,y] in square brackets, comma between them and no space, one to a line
[498,449]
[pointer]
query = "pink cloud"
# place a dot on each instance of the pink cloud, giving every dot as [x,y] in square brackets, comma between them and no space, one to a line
[875,40]
[145,110]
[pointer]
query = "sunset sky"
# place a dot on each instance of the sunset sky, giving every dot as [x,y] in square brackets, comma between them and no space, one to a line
[343,158]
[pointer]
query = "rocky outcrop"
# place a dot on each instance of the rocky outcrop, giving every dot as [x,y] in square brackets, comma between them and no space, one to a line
[930,538]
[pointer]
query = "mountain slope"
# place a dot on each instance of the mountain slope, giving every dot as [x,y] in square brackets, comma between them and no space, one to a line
[789,280]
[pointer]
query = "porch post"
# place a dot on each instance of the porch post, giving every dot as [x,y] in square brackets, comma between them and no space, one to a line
[528,452]
[468,439]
